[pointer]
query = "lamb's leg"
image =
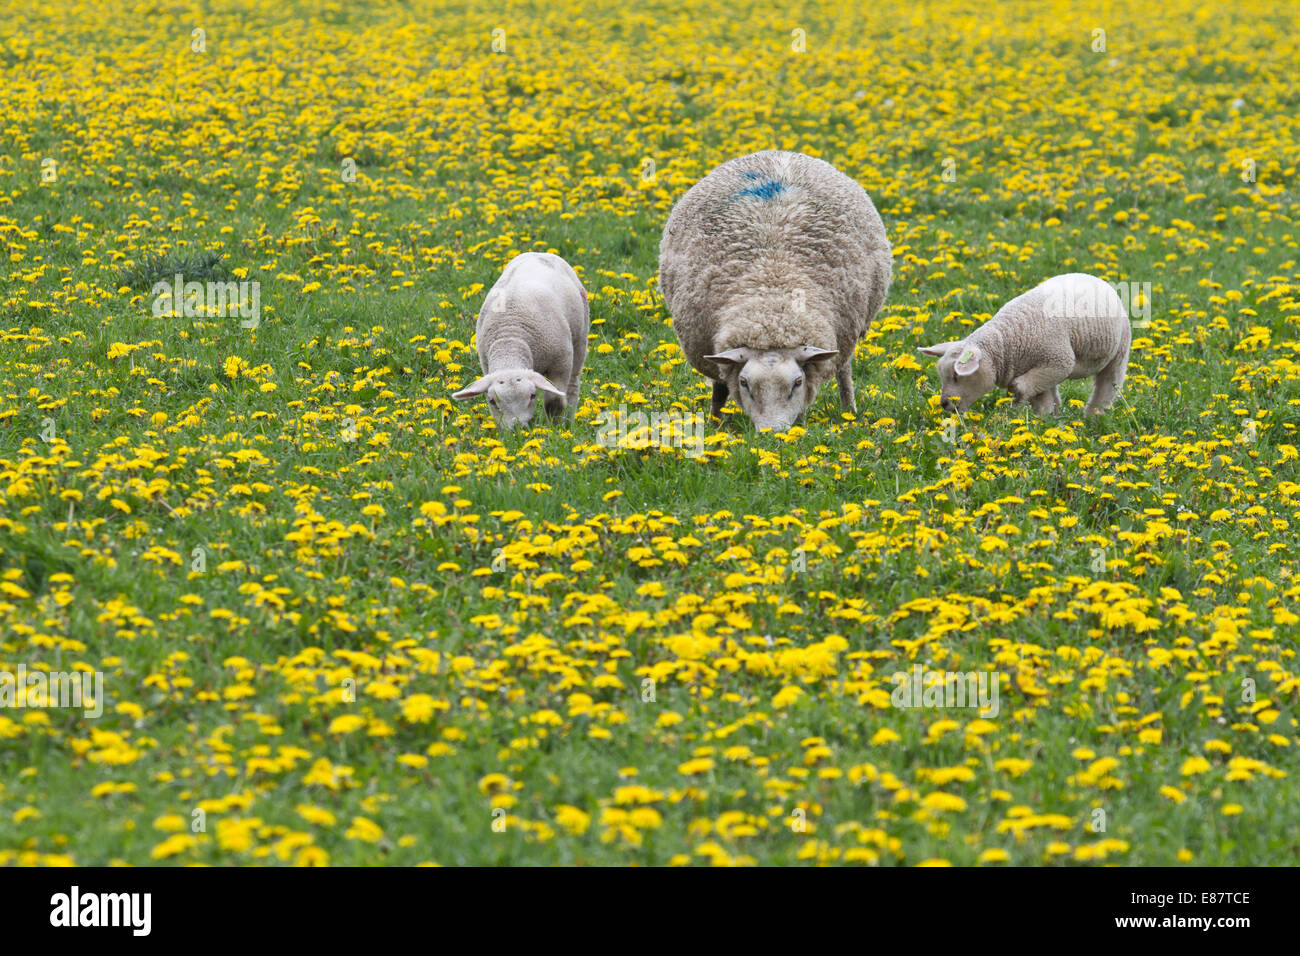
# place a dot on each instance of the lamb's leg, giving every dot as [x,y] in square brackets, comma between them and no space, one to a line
[720,394]
[844,379]
[1045,403]
[571,397]
[1107,383]
[1104,389]
[1042,378]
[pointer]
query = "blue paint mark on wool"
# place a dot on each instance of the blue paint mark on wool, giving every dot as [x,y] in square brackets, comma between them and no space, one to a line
[766,190]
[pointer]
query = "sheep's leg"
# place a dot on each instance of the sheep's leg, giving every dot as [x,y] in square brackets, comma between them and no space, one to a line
[554,406]
[1104,388]
[1043,378]
[1107,384]
[720,394]
[844,379]
[1045,403]
[571,398]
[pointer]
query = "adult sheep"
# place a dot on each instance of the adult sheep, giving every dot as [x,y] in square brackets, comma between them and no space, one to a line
[772,266]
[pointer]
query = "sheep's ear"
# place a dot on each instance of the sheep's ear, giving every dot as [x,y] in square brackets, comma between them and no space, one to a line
[472,391]
[938,351]
[730,357]
[968,361]
[544,384]
[808,353]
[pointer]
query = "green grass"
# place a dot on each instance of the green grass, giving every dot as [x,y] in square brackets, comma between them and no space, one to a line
[910,514]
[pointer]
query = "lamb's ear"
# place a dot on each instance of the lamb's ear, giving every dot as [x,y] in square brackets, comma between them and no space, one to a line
[809,353]
[544,384]
[730,357]
[472,391]
[968,361]
[938,351]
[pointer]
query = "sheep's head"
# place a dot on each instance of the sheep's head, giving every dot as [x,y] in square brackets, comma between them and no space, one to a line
[965,374]
[511,394]
[774,387]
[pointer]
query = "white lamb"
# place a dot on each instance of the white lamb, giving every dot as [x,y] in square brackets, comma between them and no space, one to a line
[1070,326]
[531,336]
[773,265]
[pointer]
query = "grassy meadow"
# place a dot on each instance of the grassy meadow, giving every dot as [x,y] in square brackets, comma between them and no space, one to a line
[341,619]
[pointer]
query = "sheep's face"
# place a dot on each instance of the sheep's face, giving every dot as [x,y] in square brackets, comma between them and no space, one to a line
[512,395]
[774,387]
[965,374]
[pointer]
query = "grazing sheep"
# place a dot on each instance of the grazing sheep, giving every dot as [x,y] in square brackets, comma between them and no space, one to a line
[773,265]
[1071,326]
[532,335]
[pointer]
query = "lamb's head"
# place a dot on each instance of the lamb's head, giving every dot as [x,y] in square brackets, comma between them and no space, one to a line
[511,394]
[965,374]
[775,387]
